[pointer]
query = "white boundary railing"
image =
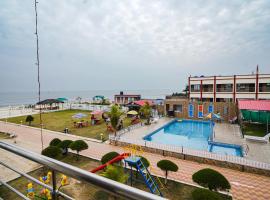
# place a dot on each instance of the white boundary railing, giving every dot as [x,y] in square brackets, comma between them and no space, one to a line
[198,153]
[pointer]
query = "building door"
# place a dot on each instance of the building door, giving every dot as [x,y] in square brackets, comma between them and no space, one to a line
[200,111]
[210,108]
[190,111]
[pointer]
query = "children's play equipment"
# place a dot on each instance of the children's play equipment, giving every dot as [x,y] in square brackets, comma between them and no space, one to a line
[133,159]
[148,179]
[114,160]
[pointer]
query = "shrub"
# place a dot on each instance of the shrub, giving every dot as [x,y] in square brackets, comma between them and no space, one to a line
[55,142]
[211,179]
[109,156]
[115,173]
[29,119]
[64,145]
[145,162]
[51,151]
[78,146]
[167,165]
[203,194]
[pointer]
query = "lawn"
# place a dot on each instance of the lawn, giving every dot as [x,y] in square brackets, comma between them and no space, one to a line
[254,129]
[80,190]
[59,120]
[3,136]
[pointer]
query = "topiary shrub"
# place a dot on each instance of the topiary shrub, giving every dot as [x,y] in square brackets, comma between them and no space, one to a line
[203,194]
[55,142]
[51,151]
[109,156]
[78,146]
[211,179]
[64,145]
[167,165]
[29,119]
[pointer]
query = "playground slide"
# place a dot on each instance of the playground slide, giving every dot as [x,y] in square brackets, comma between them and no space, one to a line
[116,159]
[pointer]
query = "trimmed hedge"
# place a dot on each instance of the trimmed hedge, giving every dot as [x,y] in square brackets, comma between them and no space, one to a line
[64,145]
[203,194]
[55,142]
[167,165]
[109,156]
[145,162]
[211,179]
[51,151]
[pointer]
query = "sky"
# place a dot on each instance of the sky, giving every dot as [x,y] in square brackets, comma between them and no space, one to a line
[130,44]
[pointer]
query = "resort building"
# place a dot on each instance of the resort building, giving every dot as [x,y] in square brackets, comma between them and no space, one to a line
[229,88]
[123,99]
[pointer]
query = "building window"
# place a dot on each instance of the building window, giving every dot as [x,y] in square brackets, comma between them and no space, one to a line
[210,108]
[245,87]
[190,110]
[226,110]
[196,88]
[207,88]
[224,87]
[264,87]
[200,111]
[178,108]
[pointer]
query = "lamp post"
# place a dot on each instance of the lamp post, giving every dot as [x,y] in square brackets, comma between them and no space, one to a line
[101,137]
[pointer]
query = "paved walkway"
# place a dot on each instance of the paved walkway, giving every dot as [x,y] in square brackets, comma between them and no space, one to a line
[245,186]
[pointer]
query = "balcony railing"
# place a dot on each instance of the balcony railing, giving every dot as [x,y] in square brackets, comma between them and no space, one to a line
[110,186]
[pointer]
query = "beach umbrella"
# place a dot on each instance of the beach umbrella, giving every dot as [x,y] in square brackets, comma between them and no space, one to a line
[79,115]
[132,112]
[97,112]
[212,116]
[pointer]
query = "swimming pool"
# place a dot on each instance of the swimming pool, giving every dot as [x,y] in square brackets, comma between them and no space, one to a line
[191,134]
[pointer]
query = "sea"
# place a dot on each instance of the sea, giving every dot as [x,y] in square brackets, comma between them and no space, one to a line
[24,98]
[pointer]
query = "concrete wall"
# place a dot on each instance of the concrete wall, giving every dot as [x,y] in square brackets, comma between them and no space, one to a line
[219,107]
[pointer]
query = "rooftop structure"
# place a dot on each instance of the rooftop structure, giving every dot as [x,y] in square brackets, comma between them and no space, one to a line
[126,98]
[229,88]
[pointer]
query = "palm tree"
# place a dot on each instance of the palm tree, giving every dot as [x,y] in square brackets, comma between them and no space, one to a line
[115,115]
[146,111]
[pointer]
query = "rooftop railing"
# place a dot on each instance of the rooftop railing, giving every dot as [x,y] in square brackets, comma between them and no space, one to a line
[110,186]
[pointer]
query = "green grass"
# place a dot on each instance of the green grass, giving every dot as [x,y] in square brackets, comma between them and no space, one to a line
[255,129]
[59,120]
[3,136]
[81,190]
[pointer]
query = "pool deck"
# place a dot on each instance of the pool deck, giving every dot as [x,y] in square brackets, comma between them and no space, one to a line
[224,133]
[230,133]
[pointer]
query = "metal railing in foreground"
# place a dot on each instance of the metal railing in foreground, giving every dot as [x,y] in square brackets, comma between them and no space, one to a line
[110,186]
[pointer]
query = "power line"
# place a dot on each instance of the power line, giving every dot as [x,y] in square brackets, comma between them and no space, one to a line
[37,63]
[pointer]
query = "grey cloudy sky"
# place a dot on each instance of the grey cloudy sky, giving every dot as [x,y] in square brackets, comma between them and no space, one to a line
[130,44]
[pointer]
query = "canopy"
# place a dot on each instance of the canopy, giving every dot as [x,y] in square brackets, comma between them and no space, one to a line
[212,116]
[62,99]
[97,112]
[98,97]
[79,115]
[49,101]
[132,112]
[259,105]
[143,102]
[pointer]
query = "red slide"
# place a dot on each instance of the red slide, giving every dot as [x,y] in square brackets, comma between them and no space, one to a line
[116,159]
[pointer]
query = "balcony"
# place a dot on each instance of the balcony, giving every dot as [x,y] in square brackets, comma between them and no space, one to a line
[245,87]
[264,87]
[115,189]
[224,87]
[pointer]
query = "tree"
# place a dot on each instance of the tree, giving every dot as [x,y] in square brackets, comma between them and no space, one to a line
[203,194]
[29,119]
[212,179]
[115,173]
[167,165]
[186,90]
[146,112]
[145,162]
[64,145]
[115,115]
[78,146]
[51,151]
[109,156]
[55,142]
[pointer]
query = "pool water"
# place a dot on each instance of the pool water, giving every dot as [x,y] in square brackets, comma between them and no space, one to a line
[191,134]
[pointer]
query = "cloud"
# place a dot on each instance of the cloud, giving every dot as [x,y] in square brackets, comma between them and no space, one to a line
[161,38]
